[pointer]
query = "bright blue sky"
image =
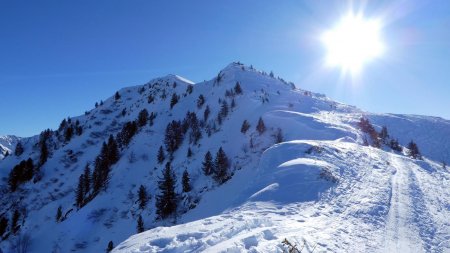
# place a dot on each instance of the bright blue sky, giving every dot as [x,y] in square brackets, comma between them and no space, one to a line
[57,58]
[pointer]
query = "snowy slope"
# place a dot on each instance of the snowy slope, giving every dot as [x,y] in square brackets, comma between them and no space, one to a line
[320,185]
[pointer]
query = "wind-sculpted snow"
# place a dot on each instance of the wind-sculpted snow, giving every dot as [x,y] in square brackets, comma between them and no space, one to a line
[320,187]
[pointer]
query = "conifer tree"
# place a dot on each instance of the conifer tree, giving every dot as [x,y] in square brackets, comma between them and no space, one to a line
[117,96]
[143,197]
[189,152]
[161,155]
[79,194]
[112,151]
[140,225]
[110,247]
[261,128]
[3,225]
[173,100]
[44,153]
[208,165]
[19,149]
[245,126]
[206,113]
[221,165]
[59,214]
[224,109]
[384,135]
[142,118]
[87,179]
[413,150]
[68,133]
[166,201]
[200,101]
[237,88]
[186,182]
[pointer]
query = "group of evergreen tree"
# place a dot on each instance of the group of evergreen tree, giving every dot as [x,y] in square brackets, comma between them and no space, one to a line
[21,173]
[19,149]
[69,129]
[413,150]
[44,138]
[365,126]
[127,133]
[217,168]
[191,122]
[14,224]
[89,185]
[174,100]
[173,137]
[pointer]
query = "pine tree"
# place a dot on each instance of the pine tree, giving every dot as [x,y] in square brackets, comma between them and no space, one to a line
[173,100]
[44,153]
[261,128]
[245,126]
[112,151]
[237,88]
[413,150]
[87,179]
[173,137]
[140,225]
[14,222]
[233,103]
[200,101]
[384,135]
[224,109]
[110,247]
[117,96]
[143,197]
[3,226]
[221,165]
[68,133]
[142,118]
[206,113]
[186,182]
[161,155]
[166,201]
[59,214]
[19,149]
[79,194]
[189,152]
[208,165]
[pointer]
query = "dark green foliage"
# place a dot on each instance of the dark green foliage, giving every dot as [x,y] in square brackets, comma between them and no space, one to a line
[237,88]
[21,173]
[108,156]
[19,149]
[117,96]
[395,145]
[384,135]
[128,131]
[224,109]
[110,247]
[173,100]
[186,182]
[161,155]
[208,165]
[189,88]
[245,126]
[58,214]
[15,222]
[79,193]
[413,150]
[87,178]
[166,201]
[261,127]
[206,113]
[3,226]
[221,165]
[68,133]
[173,137]
[142,197]
[140,225]
[200,101]
[142,118]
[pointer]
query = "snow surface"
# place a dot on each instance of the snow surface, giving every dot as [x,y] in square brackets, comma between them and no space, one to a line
[320,188]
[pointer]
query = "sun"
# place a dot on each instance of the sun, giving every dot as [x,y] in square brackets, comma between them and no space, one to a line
[353,42]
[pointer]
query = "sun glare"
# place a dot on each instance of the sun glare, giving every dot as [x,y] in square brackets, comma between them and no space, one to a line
[353,42]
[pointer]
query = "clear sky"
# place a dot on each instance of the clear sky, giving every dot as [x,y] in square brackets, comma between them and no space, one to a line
[57,58]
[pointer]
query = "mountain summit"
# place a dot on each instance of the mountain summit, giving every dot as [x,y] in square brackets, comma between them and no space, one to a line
[238,163]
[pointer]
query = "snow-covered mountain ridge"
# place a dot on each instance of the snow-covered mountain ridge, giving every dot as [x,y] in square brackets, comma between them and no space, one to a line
[320,186]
